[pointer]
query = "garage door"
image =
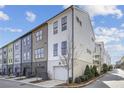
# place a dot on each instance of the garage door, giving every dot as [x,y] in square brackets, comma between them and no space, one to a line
[60,73]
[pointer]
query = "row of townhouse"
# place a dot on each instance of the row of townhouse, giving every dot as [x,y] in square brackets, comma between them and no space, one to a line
[59,48]
[101,56]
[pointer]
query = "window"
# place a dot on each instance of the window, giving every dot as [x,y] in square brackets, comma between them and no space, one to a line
[55,27]
[36,54]
[42,52]
[64,23]
[79,21]
[24,41]
[16,46]
[28,40]
[28,55]
[38,35]
[64,47]
[55,49]
[92,39]
[97,56]
[17,60]
[24,56]
[39,53]
[88,51]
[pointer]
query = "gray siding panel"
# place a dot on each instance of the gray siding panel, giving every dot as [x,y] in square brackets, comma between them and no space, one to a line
[17,56]
[26,48]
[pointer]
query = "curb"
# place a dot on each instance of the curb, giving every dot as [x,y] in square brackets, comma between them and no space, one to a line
[80,85]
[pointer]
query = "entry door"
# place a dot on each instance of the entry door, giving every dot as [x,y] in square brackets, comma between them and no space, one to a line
[60,73]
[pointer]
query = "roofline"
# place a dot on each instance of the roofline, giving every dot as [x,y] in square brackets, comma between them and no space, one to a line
[45,22]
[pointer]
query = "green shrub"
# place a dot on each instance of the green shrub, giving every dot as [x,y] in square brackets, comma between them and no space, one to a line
[78,80]
[70,80]
[88,72]
[84,77]
[95,71]
[81,78]
[105,68]
[92,71]
[110,67]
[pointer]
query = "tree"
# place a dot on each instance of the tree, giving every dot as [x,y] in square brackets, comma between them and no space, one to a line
[110,67]
[67,59]
[95,70]
[105,68]
[88,72]
[92,71]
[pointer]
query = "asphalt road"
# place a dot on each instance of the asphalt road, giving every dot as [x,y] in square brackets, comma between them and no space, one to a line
[13,84]
[113,79]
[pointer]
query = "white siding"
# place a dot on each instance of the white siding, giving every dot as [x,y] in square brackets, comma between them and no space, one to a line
[83,36]
[0,58]
[57,38]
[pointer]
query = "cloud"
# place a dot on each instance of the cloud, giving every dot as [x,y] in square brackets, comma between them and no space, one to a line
[116,51]
[115,47]
[7,29]
[122,25]
[102,10]
[30,16]
[3,16]
[66,6]
[2,6]
[108,35]
[96,10]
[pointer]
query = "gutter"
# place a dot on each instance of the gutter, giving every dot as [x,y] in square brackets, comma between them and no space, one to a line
[72,42]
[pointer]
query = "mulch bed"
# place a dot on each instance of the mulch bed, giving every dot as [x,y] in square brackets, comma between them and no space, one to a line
[21,79]
[9,77]
[37,81]
[75,84]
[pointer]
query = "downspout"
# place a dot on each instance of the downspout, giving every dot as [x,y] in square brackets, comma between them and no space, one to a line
[72,43]
[31,52]
[21,57]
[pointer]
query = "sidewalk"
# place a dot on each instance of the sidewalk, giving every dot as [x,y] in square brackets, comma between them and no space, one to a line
[80,85]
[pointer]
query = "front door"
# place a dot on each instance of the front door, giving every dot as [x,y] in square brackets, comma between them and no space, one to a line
[24,71]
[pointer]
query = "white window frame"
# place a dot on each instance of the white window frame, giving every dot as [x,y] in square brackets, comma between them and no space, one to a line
[64,23]
[55,49]
[55,27]
[64,48]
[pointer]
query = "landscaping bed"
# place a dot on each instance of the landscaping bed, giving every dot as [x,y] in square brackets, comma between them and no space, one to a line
[9,77]
[90,75]
[37,81]
[21,78]
[82,84]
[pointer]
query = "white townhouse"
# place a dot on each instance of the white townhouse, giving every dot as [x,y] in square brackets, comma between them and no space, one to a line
[99,56]
[107,58]
[0,60]
[71,44]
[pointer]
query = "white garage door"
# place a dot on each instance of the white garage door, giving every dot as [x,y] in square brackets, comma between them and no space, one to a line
[60,73]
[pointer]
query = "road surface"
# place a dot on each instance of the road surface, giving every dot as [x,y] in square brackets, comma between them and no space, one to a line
[14,84]
[114,79]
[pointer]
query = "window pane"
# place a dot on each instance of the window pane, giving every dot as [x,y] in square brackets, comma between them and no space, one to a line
[64,23]
[55,27]
[55,49]
[64,47]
